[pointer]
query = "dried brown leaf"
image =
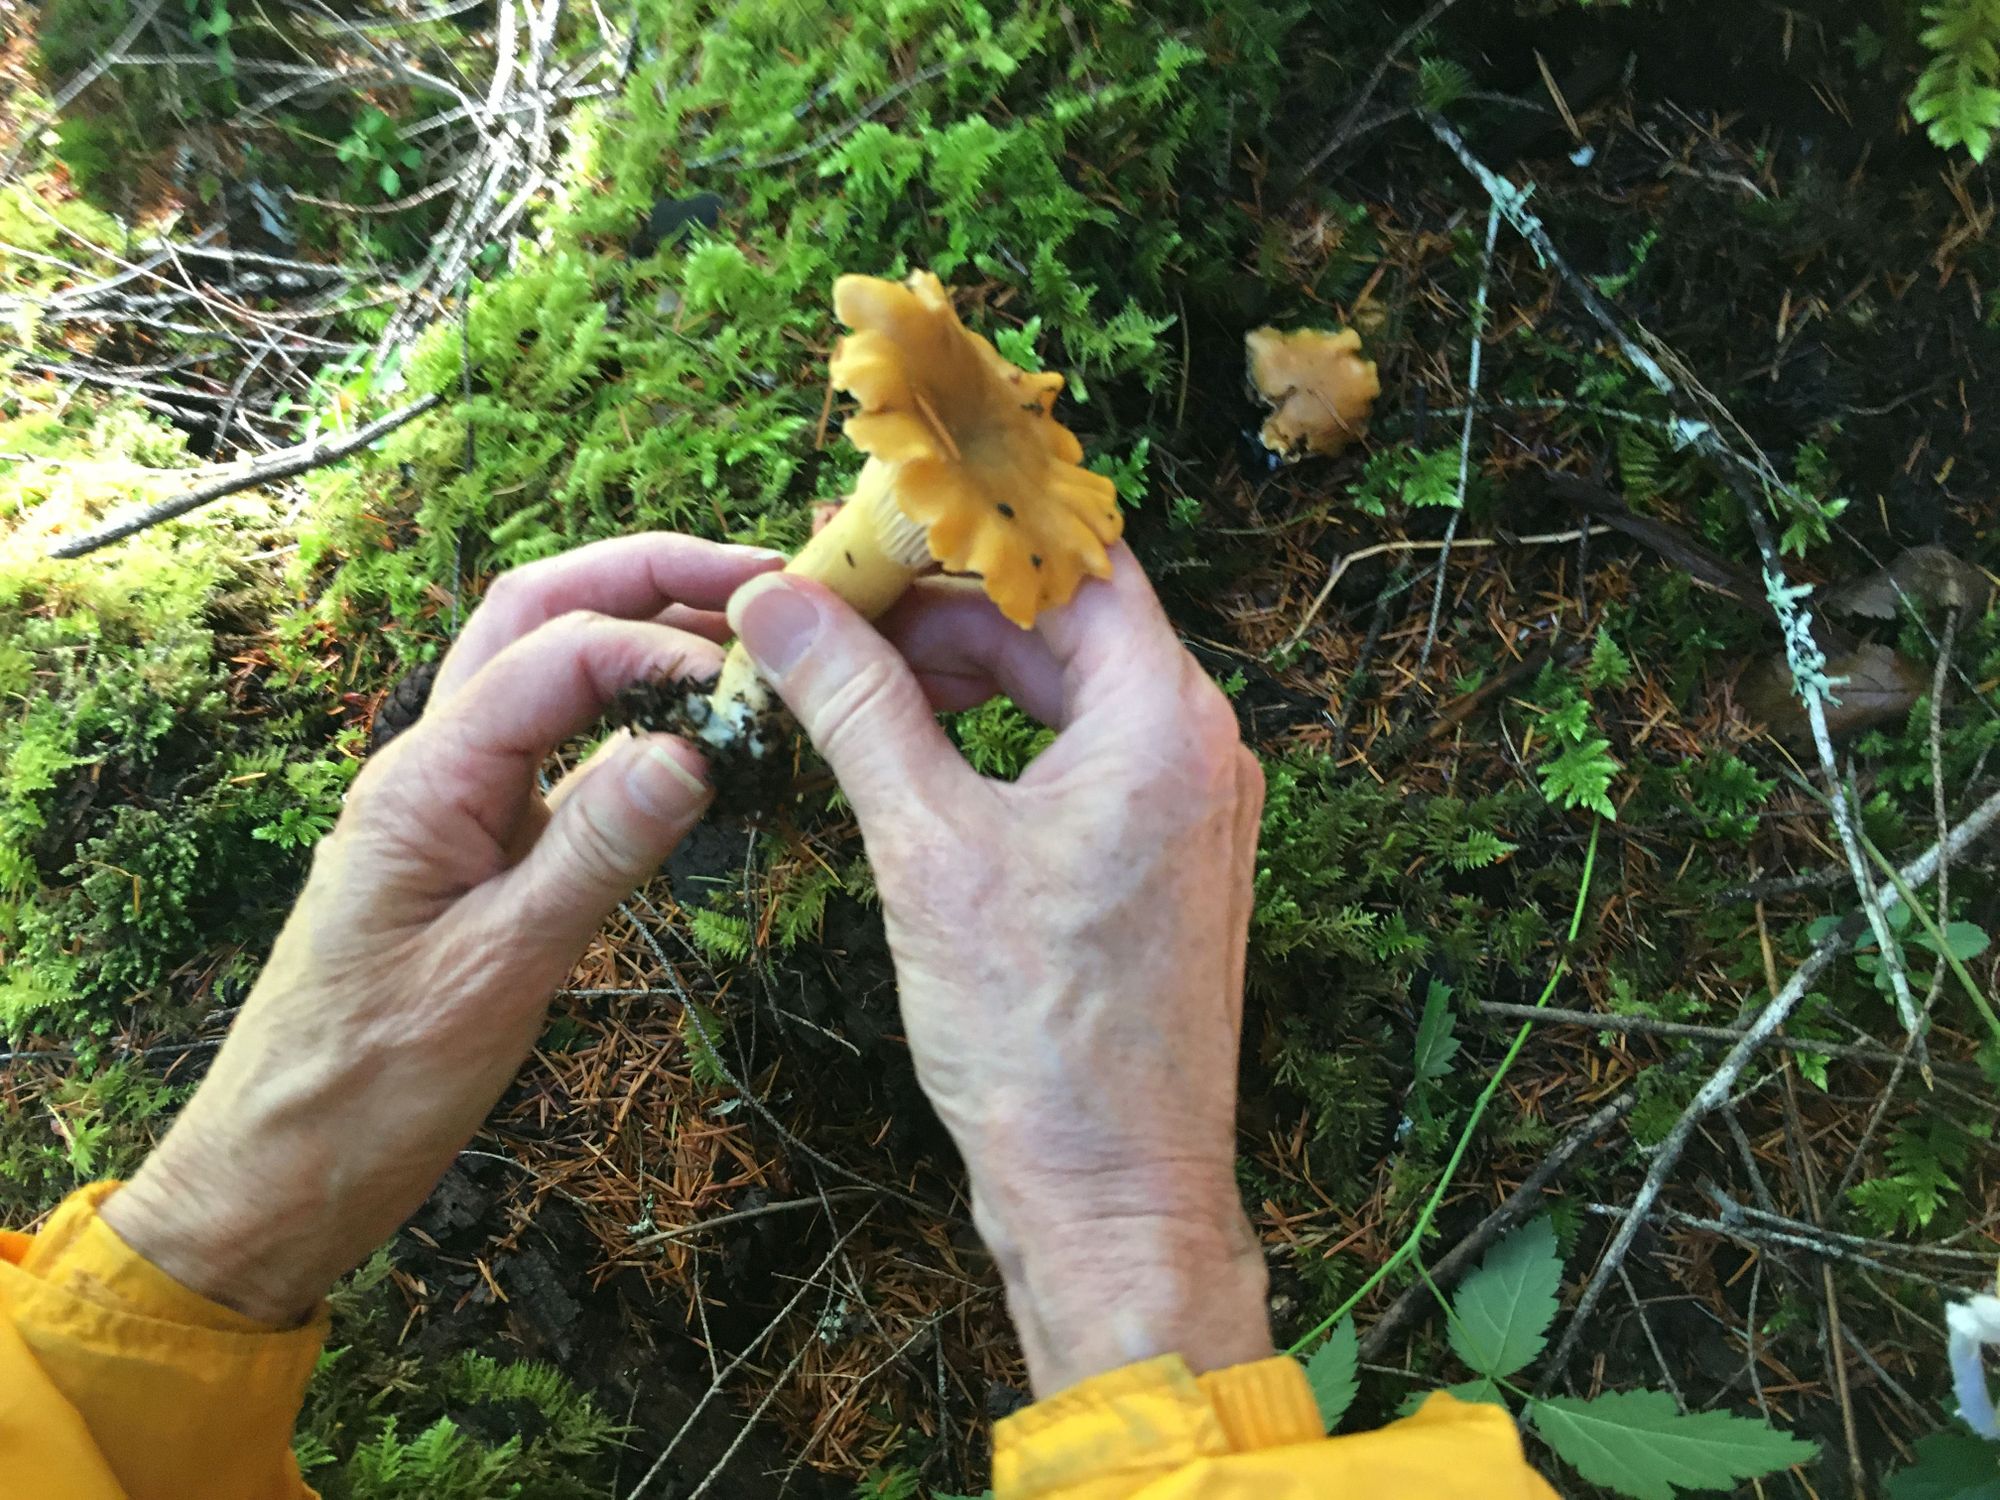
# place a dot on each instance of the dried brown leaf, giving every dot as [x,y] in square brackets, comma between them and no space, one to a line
[1929,576]
[1880,685]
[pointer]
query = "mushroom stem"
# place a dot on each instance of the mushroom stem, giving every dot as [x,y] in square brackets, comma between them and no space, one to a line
[867,554]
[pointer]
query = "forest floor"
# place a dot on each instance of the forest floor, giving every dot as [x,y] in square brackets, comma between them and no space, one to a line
[1579,804]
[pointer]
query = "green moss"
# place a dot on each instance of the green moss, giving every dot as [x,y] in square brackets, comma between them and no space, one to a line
[141,805]
[683,387]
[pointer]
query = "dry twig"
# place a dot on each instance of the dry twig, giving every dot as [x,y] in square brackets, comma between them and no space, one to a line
[315,453]
[1722,1082]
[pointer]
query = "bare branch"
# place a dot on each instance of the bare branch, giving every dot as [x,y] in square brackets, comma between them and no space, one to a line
[1722,1082]
[286,462]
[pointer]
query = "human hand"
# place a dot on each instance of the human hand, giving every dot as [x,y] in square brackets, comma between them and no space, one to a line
[442,911]
[1069,948]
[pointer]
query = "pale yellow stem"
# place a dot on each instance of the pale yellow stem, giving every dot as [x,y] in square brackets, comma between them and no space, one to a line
[868,554]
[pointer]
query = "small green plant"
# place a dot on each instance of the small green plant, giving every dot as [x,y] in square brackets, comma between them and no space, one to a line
[999,739]
[464,1426]
[701,1034]
[209,23]
[1441,82]
[1436,1048]
[1725,792]
[1961,940]
[1808,506]
[1949,1466]
[1634,1443]
[722,935]
[1577,766]
[1956,97]
[1607,666]
[1406,476]
[376,155]
[1924,1163]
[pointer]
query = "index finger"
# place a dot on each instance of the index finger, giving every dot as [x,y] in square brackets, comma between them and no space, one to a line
[1112,640]
[627,578]
[479,751]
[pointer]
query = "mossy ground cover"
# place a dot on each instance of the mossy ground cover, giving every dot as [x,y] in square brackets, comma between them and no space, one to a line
[1451,733]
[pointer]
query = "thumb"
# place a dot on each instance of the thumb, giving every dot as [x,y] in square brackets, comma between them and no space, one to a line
[610,830]
[854,695]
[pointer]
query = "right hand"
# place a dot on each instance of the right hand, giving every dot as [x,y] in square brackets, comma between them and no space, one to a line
[1069,948]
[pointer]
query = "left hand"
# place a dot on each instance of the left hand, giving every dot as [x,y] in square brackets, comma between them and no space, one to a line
[442,912]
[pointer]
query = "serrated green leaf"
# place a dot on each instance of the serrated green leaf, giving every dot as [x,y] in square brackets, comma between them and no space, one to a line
[1478,1390]
[1965,939]
[1639,1444]
[1501,1312]
[1332,1372]
[1471,1391]
[1949,1466]
[1436,1046]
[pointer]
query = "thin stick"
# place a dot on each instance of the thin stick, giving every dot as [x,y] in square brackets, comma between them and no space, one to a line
[316,453]
[1415,1237]
[1801,1239]
[1379,549]
[1722,1082]
[1857,1471]
[683,1231]
[1808,662]
[1717,1035]
[1350,692]
[737,1363]
[747,1094]
[1888,1095]
[1472,364]
[1348,121]
[1417,1299]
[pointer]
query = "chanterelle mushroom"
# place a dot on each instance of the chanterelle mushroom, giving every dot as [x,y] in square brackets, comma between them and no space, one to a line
[1319,388]
[966,467]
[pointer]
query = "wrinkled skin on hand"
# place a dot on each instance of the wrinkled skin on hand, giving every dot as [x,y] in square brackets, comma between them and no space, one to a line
[447,904]
[1069,948]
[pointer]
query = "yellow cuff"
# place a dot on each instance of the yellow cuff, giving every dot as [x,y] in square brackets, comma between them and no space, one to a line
[78,1253]
[180,1396]
[1263,1405]
[1151,1418]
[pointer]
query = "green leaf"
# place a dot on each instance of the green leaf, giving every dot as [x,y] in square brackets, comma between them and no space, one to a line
[1480,1390]
[1331,1372]
[1965,939]
[1637,1443]
[1949,1466]
[1474,1391]
[1607,666]
[1436,1046]
[389,178]
[1581,777]
[1501,1313]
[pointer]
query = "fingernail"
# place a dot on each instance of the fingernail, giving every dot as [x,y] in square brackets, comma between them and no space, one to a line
[755,554]
[661,779]
[775,622]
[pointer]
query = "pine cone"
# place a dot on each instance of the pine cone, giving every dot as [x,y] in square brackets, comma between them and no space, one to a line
[402,706]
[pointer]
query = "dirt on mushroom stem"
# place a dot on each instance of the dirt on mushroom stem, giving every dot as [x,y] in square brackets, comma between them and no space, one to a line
[751,769]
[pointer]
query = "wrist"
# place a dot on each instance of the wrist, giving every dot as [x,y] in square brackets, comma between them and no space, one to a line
[1128,1284]
[223,1234]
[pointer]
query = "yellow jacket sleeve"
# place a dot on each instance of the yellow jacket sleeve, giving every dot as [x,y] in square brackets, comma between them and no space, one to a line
[118,1383]
[1154,1431]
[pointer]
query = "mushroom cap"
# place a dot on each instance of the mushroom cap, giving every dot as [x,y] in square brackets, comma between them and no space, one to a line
[979,460]
[1319,388]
